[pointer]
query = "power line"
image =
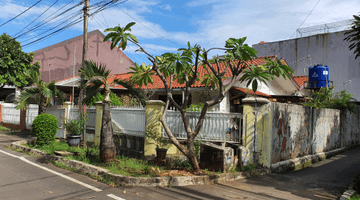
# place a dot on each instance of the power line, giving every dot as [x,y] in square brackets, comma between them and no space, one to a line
[37,17]
[97,21]
[44,22]
[149,28]
[298,27]
[74,22]
[20,13]
[104,19]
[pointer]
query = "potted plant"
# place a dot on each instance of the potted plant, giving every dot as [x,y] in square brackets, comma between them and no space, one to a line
[162,144]
[74,129]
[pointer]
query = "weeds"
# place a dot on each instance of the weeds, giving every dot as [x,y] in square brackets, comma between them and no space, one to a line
[249,167]
[3,128]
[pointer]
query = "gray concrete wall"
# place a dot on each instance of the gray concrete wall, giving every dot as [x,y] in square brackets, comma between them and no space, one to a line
[327,49]
[298,131]
[350,128]
[57,61]
[288,131]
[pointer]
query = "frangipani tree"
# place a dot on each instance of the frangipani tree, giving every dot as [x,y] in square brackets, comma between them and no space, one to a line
[184,67]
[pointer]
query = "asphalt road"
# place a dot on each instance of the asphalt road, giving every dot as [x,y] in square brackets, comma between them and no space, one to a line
[20,179]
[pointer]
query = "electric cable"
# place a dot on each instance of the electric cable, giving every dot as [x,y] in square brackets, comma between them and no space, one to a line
[298,27]
[101,8]
[20,13]
[178,45]
[37,17]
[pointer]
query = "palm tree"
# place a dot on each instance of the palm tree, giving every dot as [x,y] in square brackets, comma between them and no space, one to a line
[353,36]
[42,91]
[96,76]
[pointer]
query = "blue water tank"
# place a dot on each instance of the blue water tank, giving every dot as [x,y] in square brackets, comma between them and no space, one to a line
[318,76]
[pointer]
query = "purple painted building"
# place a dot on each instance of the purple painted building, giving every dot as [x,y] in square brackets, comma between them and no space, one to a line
[63,60]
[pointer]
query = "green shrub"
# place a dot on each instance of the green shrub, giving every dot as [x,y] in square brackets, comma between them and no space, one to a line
[325,98]
[44,127]
[76,126]
[114,99]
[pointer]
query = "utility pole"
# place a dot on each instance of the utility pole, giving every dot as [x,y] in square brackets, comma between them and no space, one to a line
[85,42]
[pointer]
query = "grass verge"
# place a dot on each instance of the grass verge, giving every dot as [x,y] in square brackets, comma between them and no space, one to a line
[3,128]
[128,166]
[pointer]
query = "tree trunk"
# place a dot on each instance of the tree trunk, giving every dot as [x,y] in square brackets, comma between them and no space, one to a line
[192,156]
[107,145]
[42,106]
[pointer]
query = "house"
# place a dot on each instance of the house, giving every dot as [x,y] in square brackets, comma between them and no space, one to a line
[277,90]
[63,60]
[327,49]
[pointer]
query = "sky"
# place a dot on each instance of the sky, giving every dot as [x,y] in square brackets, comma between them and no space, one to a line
[164,26]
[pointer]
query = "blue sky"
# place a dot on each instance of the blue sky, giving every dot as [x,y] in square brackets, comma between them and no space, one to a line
[165,26]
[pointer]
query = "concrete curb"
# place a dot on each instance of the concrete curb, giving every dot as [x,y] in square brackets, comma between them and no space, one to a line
[347,195]
[289,165]
[140,181]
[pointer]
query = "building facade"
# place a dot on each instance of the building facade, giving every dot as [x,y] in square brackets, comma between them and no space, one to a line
[327,49]
[63,60]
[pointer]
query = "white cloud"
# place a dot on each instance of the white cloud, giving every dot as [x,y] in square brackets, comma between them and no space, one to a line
[216,21]
[166,7]
[194,3]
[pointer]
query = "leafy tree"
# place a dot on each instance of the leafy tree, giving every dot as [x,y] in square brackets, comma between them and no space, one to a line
[325,98]
[114,99]
[42,91]
[184,66]
[14,62]
[353,36]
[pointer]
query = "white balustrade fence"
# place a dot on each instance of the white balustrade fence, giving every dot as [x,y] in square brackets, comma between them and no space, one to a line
[10,114]
[216,127]
[32,111]
[129,121]
[59,113]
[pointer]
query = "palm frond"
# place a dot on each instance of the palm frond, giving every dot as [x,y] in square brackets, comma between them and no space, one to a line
[24,97]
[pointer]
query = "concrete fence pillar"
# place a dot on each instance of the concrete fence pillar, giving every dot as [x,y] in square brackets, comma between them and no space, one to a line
[66,115]
[154,109]
[257,130]
[98,120]
[153,112]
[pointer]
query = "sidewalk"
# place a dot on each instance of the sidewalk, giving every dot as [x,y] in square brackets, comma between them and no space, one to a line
[324,180]
[6,138]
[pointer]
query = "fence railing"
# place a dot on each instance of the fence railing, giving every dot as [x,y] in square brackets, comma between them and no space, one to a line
[216,127]
[59,113]
[129,121]
[10,114]
[32,111]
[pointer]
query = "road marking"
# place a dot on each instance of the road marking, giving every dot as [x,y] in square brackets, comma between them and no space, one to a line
[53,172]
[9,154]
[115,197]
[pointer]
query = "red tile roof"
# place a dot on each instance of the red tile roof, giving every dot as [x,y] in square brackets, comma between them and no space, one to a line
[300,80]
[158,84]
[249,91]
